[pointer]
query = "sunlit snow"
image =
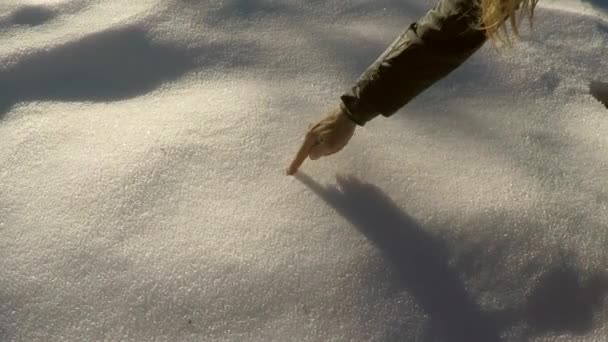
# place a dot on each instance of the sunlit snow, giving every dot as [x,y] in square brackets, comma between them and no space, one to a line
[143,198]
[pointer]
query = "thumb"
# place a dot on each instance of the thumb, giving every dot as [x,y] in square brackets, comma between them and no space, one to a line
[318,150]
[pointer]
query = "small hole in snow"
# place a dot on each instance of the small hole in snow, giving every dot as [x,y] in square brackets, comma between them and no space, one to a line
[599,90]
[32,15]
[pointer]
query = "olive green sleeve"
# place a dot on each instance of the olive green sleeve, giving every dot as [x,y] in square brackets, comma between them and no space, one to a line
[427,51]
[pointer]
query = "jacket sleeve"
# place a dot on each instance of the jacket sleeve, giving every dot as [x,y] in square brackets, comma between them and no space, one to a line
[428,50]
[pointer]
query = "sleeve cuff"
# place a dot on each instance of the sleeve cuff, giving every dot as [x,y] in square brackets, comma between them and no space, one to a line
[355,111]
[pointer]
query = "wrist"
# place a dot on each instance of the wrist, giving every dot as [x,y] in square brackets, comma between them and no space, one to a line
[345,112]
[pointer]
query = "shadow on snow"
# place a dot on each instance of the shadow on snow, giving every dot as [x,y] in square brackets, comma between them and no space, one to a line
[108,66]
[560,302]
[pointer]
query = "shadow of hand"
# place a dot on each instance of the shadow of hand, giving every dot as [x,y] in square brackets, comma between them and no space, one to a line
[419,258]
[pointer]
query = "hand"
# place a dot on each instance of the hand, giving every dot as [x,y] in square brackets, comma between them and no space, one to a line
[328,136]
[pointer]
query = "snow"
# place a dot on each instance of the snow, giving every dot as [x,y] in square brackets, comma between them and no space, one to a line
[143,196]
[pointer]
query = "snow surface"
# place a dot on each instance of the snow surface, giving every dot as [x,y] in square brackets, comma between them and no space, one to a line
[142,193]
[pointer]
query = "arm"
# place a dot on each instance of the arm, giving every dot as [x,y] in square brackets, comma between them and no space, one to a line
[426,52]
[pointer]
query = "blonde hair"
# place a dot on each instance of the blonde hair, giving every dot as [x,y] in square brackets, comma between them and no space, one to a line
[494,13]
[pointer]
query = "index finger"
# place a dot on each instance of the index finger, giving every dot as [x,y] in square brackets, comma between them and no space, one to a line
[304,151]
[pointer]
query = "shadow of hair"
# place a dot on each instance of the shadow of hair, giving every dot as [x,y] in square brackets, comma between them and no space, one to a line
[563,301]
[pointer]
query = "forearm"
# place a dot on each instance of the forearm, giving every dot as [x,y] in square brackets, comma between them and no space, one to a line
[426,52]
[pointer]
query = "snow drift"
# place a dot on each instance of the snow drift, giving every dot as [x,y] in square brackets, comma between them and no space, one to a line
[142,194]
